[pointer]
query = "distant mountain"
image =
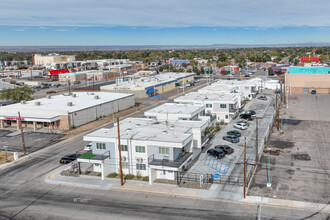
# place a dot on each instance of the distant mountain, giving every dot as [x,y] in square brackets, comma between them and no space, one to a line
[150,47]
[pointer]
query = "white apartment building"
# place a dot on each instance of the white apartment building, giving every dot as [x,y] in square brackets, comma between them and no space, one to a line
[176,111]
[249,88]
[224,89]
[149,147]
[224,107]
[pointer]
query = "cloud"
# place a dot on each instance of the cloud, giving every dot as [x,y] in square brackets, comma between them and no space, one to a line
[64,29]
[170,13]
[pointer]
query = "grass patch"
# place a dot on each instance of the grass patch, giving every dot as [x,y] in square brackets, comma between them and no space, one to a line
[129,177]
[112,175]
[87,155]
[145,178]
[99,174]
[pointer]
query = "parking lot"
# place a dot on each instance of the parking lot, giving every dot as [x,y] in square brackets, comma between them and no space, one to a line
[299,157]
[230,168]
[33,140]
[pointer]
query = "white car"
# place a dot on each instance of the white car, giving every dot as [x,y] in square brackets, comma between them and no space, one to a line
[88,147]
[241,126]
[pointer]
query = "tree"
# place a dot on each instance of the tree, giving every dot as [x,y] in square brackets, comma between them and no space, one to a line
[17,94]
[184,65]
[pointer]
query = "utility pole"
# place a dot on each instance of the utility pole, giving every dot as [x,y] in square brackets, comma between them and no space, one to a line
[69,84]
[244,188]
[22,134]
[119,149]
[93,81]
[257,131]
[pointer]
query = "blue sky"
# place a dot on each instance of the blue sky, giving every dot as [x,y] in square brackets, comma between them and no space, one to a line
[171,22]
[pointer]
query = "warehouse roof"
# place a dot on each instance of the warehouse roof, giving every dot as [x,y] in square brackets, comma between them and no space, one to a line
[58,104]
[149,82]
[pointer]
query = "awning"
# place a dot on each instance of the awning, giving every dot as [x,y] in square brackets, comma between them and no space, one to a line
[151,90]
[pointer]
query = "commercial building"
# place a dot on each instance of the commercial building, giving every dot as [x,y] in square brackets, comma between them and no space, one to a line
[301,80]
[149,147]
[224,107]
[149,86]
[176,111]
[62,112]
[230,69]
[38,59]
[87,75]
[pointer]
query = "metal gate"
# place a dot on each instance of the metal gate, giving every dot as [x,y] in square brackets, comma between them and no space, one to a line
[305,90]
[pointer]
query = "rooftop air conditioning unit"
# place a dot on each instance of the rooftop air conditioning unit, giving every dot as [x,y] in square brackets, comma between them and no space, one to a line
[23,102]
[96,97]
[37,103]
[73,95]
[69,104]
[48,97]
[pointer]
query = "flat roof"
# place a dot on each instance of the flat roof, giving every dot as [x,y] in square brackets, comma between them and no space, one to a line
[176,108]
[250,82]
[150,81]
[145,129]
[58,103]
[196,96]
[219,88]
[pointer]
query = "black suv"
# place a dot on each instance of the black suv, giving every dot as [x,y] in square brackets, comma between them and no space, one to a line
[246,116]
[224,148]
[215,153]
[69,158]
[234,133]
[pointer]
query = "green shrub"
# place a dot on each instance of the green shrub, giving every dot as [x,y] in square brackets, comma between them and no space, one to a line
[99,174]
[112,175]
[145,178]
[129,177]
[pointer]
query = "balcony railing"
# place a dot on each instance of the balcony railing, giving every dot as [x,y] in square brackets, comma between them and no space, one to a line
[169,163]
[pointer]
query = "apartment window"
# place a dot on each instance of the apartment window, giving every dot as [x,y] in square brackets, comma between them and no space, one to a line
[223,106]
[124,165]
[123,147]
[100,146]
[226,116]
[140,149]
[208,105]
[247,88]
[164,151]
[140,166]
[170,171]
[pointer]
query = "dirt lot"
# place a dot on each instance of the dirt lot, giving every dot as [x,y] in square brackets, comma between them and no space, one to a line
[299,161]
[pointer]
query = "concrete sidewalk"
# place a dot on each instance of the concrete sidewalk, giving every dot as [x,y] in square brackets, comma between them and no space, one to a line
[54,177]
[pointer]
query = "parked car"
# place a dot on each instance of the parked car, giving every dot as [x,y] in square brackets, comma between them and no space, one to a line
[69,158]
[76,82]
[262,97]
[251,112]
[247,75]
[244,122]
[245,116]
[234,133]
[231,138]
[88,147]
[241,126]
[215,153]
[45,87]
[224,148]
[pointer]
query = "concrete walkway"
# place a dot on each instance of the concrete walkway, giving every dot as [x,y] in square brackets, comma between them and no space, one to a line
[54,177]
